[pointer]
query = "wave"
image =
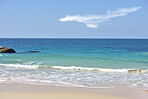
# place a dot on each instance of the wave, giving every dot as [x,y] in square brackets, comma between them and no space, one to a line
[37,66]
[100,69]
[20,66]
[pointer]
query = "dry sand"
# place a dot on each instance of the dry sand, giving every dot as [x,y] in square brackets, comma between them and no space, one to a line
[24,91]
[55,95]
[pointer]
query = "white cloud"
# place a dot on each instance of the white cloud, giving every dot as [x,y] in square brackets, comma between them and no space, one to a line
[93,21]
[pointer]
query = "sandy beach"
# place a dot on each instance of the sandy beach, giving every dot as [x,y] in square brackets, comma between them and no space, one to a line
[55,95]
[26,91]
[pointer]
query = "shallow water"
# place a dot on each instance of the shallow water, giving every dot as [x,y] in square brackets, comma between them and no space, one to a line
[76,62]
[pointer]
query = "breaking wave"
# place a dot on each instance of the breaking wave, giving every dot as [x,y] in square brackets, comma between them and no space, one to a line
[100,69]
[20,66]
[37,66]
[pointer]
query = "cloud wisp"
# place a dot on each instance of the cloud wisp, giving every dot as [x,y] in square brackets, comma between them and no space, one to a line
[93,21]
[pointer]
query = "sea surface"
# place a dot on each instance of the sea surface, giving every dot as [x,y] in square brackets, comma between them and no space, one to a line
[93,63]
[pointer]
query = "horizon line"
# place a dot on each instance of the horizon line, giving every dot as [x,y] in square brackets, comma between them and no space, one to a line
[70,38]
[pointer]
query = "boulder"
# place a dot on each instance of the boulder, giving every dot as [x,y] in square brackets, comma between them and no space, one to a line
[10,50]
[1,47]
[7,50]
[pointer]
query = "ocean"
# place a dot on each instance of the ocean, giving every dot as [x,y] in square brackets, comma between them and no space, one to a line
[93,63]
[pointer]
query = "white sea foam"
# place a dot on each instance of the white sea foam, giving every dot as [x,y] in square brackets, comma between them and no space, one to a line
[104,79]
[1,55]
[2,80]
[97,69]
[20,66]
[19,60]
[32,65]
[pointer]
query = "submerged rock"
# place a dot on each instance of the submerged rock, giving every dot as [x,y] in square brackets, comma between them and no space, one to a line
[7,50]
[134,70]
[33,51]
[28,52]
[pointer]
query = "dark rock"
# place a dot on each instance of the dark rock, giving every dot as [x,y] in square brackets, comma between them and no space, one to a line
[1,47]
[7,50]
[33,51]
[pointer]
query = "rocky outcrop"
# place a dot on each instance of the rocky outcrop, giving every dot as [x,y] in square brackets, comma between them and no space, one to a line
[10,50]
[6,50]
[1,47]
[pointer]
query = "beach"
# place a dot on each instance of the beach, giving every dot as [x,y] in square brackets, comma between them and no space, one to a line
[73,49]
[28,91]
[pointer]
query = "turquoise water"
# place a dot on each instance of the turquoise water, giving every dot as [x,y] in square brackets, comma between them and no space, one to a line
[76,62]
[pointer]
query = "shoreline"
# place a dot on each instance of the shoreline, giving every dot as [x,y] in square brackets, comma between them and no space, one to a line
[16,89]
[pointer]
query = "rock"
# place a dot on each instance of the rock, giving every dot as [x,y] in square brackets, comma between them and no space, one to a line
[1,47]
[7,50]
[33,51]
[10,50]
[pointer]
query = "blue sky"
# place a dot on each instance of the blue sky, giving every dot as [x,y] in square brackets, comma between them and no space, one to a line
[40,19]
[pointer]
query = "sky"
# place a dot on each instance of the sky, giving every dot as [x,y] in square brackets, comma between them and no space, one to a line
[73,18]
